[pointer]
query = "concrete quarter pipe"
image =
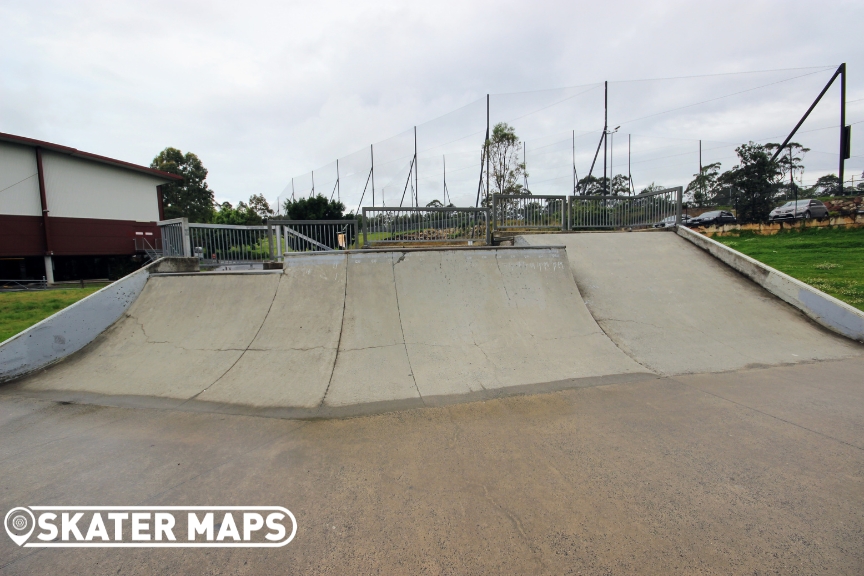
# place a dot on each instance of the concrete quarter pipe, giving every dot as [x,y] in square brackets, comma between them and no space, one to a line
[347,333]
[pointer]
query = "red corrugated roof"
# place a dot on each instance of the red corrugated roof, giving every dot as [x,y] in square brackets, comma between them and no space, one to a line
[87,156]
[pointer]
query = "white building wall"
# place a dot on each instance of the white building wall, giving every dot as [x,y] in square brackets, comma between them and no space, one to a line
[78,188]
[19,181]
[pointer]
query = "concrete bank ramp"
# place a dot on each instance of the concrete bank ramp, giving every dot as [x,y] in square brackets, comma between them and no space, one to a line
[345,333]
[676,309]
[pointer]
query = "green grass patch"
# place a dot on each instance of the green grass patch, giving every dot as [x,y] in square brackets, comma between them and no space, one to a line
[831,260]
[20,310]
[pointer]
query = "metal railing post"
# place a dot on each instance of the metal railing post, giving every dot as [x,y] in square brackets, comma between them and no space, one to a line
[680,195]
[365,225]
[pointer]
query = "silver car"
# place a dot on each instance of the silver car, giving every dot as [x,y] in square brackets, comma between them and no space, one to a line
[800,209]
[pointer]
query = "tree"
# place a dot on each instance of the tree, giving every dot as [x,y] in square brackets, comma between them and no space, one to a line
[828,185]
[786,161]
[243,215]
[591,185]
[190,199]
[502,149]
[752,183]
[704,184]
[652,188]
[260,206]
[314,208]
[620,185]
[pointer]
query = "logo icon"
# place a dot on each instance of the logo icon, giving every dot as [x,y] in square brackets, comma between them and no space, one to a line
[151,526]
[19,523]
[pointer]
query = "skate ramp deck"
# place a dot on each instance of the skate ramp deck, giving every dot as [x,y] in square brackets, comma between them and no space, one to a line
[348,333]
[676,309]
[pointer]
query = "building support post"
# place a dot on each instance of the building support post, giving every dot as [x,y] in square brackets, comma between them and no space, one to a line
[43,198]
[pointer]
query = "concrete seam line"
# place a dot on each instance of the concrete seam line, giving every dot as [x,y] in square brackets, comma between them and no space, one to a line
[401,327]
[341,330]
[828,311]
[246,349]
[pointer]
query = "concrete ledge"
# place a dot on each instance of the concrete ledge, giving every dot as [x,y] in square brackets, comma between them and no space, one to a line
[174,264]
[431,248]
[824,309]
[72,328]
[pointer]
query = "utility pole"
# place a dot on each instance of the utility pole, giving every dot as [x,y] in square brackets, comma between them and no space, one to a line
[574,162]
[292,189]
[372,156]
[524,166]
[701,183]
[605,131]
[416,182]
[792,182]
[444,159]
[611,161]
[845,131]
[311,194]
[487,149]
[629,174]
[338,185]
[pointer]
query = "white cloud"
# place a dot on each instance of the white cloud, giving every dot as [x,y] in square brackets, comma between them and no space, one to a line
[263,91]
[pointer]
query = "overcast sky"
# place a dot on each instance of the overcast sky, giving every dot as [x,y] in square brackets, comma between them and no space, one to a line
[264,91]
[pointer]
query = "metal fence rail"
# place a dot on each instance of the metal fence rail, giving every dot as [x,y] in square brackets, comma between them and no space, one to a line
[226,244]
[175,237]
[311,235]
[655,208]
[529,212]
[214,243]
[442,225]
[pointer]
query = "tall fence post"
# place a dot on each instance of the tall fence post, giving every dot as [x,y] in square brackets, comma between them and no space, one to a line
[678,205]
[488,227]
[269,238]
[187,241]
[279,253]
[365,225]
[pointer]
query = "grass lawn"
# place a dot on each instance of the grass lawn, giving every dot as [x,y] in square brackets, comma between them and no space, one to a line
[20,310]
[829,260]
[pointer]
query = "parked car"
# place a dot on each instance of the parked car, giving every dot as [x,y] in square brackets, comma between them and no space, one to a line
[801,209]
[670,221]
[714,217]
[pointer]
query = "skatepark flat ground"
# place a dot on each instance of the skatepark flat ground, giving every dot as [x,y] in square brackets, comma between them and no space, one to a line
[753,471]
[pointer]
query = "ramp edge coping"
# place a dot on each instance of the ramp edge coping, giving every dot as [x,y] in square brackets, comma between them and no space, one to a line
[833,314]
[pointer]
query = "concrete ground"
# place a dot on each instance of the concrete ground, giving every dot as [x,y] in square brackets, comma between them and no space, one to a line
[755,471]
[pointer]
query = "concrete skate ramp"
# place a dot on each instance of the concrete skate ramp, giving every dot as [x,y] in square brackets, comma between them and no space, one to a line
[345,333]
[676,309]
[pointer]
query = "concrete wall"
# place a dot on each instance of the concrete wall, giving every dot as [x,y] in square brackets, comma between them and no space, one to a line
[78,188]
[19,181]
[824,309]
[74,327]
[769,229]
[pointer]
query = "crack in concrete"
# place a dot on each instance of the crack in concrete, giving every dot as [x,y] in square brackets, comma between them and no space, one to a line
[270,307]
[341,331]
[402,328]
